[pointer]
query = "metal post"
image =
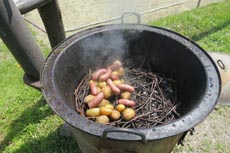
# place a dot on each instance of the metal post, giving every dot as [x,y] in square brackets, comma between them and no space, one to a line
[52,19]
[26,6]
[19,40]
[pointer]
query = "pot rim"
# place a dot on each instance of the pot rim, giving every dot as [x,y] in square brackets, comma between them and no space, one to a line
[181,125]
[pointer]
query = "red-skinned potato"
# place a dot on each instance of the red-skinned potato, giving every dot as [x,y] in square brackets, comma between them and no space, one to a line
[105,76]
[114,89]
[93,88]
[97,74]
[126,102]
[125,87]
[96,101]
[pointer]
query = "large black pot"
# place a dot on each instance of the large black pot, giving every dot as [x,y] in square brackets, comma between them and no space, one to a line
[198,83]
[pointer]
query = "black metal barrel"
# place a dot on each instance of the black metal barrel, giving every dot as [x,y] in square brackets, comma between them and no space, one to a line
[166,52]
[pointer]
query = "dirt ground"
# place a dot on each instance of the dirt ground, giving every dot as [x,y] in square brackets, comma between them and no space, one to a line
[79,13]
[214,132]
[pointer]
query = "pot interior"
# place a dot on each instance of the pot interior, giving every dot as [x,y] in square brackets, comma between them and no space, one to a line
[152,51]
[151,48]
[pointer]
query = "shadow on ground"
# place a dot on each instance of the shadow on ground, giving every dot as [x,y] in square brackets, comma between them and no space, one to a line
[51,143]
[210,31]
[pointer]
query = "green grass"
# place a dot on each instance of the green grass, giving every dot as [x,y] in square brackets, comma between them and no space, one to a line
[208,26]
[27,124]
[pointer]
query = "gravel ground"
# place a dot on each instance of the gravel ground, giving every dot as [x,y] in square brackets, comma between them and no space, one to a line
[214,132]
[82,12]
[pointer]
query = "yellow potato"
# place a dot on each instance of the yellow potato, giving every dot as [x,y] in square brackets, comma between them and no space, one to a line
[128,114]
[125,95]
[98,89]
[110,106]
[105,111]
[93,112]
[103,119]
[103,103]
[115,74]
[120,71]
[101,84]
[115,115]
[91,81]
[115,82]
[88,98]
[106,91]
[120,107]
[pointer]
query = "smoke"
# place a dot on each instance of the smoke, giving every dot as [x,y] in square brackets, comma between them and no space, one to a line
[101,49]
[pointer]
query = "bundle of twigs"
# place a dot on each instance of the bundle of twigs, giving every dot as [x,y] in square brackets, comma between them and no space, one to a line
[155,97]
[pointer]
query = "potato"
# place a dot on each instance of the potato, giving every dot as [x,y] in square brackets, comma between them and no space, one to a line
[110,106]
[120,107]
[93,112]
[120,71]
[125,95]
[115,82]
[114,75]
[103,119]
[91,81]
[103,103]
[101,84]
[106,91]
[98,89]
[128,114]
[115,115]
[88,98]
[105,111]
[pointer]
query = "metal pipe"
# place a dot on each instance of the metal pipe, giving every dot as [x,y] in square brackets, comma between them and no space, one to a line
[19,40]
[26,6]
[52,19]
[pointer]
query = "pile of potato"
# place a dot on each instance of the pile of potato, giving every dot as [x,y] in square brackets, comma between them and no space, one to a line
[106,84]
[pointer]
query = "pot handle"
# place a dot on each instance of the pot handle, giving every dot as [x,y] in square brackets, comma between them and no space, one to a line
[123,130]
[138,16]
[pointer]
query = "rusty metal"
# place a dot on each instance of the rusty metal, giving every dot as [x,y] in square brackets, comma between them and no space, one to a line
[164,51]
[32,83]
